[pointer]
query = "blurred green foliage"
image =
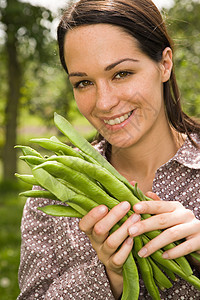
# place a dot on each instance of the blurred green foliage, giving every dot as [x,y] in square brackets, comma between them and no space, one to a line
[11,206]
[184,27]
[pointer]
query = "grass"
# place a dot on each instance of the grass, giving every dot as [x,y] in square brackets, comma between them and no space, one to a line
[11,207]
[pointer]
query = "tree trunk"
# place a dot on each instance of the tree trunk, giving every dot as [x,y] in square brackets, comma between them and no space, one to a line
[11,112]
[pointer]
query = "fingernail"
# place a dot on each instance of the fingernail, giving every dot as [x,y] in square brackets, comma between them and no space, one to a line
[165,255]
[142,252]
[102,209]
[125,205]
[129,240]
[138,206]
[133,230]
[135,218]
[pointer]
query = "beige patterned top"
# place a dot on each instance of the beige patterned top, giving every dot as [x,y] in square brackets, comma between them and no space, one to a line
[57,259]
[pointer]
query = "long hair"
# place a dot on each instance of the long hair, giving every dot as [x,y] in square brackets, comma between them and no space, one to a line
[142,20]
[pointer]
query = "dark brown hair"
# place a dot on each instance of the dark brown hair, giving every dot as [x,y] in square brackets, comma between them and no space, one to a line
[142,20]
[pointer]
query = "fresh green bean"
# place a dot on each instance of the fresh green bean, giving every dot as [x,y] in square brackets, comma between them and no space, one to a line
[131,286]
[80,180]
[27,178]
[159,276]
[145,270]
[173,266]
[29,151]
[168,272]
[110,182]
[77,140]
[38,194]
[32,160]
[53,185]
[60,211]
[196,256]
[56,147]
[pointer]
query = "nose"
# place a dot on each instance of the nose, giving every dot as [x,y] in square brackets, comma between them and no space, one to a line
[106,97]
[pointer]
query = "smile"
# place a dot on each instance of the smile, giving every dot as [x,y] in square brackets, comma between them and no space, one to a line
[118,120]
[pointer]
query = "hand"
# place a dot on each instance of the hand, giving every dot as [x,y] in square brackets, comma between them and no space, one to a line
[97,224]
[178,222]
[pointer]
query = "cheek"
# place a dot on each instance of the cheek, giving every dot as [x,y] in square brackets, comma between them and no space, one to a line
[84,104]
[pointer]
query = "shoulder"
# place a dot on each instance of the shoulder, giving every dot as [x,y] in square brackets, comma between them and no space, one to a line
[189,154]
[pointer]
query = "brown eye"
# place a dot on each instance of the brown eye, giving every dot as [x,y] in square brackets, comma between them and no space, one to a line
[122,74]
[82,84]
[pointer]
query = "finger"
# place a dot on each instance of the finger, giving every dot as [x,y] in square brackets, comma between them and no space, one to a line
[161,221]
[87,223]
[133,182]
[103,227]
[156,207]
[117,238]
[119,258]
[168,236]
[184,248]
[153,196]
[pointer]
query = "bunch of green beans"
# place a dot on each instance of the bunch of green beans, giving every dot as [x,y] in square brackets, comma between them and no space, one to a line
[82,179]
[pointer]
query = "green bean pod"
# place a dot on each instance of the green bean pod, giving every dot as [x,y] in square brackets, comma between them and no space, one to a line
[56,147]
[131,286]
[39,194]
[81,143]
[79,180]
[114,186]
[60,211]
[51,184]
[168,272]
[196,256]
[145,270]
[27,178]
[32,160]
[173,266]
[159,276]
[29,151]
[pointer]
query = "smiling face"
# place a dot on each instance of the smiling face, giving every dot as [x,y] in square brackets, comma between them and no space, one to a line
[117,87]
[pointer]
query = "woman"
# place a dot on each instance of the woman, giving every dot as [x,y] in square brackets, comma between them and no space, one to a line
[118,57]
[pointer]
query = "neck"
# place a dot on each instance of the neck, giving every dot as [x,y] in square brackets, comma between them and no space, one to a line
[140,161]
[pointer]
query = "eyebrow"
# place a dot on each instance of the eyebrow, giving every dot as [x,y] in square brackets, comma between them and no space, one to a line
[108,68]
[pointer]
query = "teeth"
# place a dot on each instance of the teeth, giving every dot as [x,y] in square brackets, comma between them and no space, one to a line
[118,120]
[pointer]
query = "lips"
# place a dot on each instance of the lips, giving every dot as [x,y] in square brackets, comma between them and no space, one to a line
[118,120]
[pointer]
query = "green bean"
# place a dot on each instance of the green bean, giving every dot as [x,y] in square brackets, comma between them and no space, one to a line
[131,286]
[196,256]
[77,140]
[145,269]
[80,180]
[29,151]
[53,185]
[32,160]
[27,178]
[38,194]
[168,272]
[60,211]
[114,186]
[83,201]
[182,261]
[170,264]
[159,276]
[56,147]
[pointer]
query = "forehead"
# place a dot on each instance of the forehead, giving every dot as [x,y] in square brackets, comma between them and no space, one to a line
[98,43]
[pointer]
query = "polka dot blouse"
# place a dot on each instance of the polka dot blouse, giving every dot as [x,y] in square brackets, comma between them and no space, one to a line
[57,259]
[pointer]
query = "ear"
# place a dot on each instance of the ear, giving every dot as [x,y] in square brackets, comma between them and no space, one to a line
[166,64]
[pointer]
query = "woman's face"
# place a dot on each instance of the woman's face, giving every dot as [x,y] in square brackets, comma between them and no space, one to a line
[117,87]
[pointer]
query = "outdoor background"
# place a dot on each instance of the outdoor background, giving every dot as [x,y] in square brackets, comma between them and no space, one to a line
[33,86]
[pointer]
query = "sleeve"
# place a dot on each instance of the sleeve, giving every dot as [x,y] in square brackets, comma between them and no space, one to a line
[57,259]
